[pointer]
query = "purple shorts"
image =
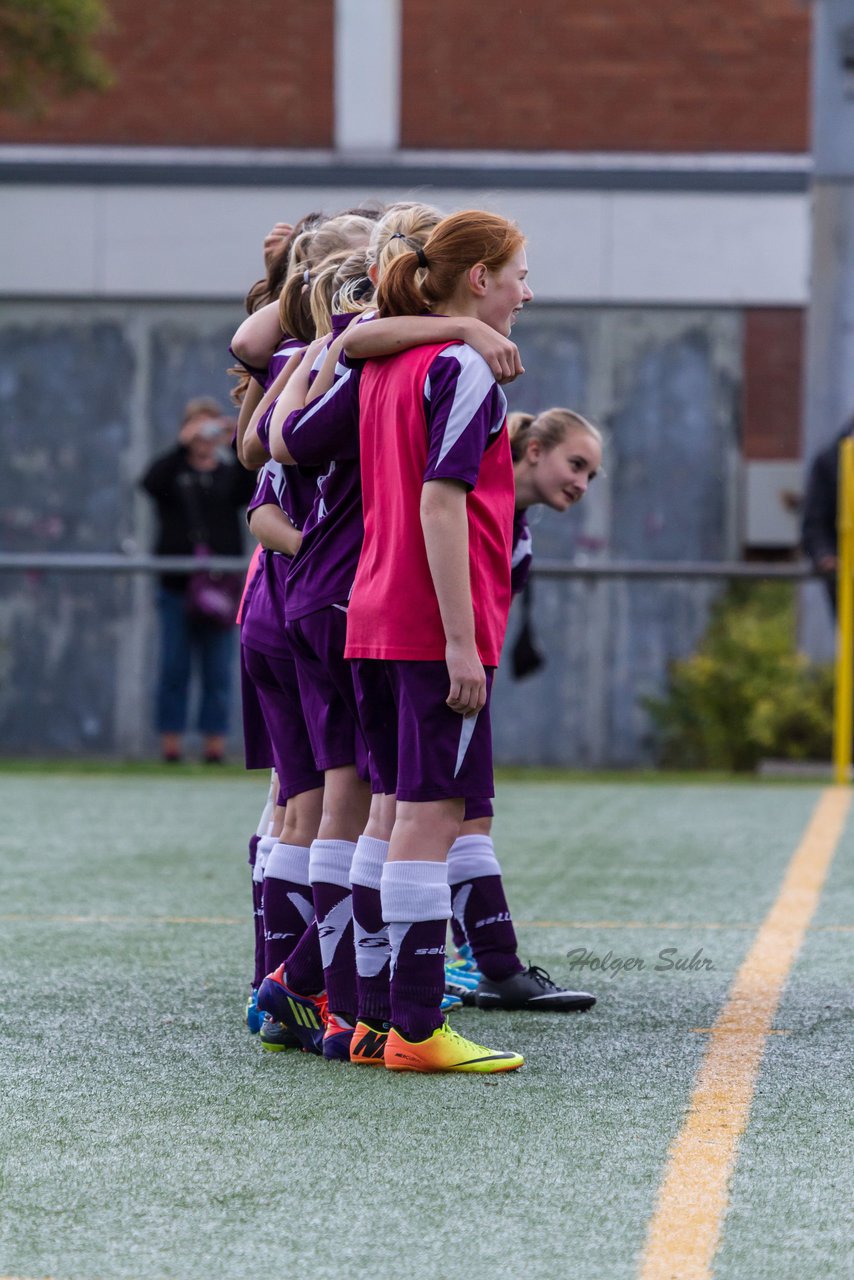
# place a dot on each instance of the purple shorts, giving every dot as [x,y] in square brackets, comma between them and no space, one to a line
[481,808]
[257,748]
[419,749]
[275,681]
[326,689]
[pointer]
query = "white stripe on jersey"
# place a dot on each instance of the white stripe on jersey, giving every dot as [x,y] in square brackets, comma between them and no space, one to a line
[278,480]
[312,409]
[524,547]
[465,738]
[473,386]
[317,364]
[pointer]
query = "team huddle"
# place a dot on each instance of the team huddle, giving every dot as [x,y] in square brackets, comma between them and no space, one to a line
[390,517]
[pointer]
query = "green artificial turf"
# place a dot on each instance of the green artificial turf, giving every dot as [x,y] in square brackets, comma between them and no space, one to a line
[143,1133]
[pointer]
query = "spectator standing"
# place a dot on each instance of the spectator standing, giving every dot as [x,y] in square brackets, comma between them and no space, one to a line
[199,490]
[818,521]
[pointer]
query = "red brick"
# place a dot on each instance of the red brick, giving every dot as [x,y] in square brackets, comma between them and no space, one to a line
[606,75]
[772,389]
[185,76]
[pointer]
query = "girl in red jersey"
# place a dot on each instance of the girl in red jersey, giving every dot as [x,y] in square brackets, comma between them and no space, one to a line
[429,604]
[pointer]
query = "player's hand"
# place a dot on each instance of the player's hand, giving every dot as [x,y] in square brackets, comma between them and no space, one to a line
[827,564]
[273,239]
[313,350]
[467,694]
[500,353]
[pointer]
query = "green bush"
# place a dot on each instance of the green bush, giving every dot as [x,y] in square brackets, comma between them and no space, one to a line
[746,693]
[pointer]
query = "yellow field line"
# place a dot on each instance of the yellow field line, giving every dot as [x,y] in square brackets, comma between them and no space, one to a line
[685,1229]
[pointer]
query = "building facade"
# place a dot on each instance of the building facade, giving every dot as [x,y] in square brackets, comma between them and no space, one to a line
[655,157]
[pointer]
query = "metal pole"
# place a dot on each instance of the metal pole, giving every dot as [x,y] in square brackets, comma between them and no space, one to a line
[829,383]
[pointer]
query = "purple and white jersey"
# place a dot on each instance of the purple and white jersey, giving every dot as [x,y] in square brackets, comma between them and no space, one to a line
[465,411]
[264,377]
[520,563]
[263,625]
[287,347]
[326,433]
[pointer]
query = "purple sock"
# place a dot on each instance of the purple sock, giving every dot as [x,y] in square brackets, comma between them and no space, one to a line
[370,933]
[303,967]
[480,908]
[329,870]
[416,902]
[287,902]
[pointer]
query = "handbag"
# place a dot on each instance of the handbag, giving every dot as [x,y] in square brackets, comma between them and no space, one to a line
[211,595]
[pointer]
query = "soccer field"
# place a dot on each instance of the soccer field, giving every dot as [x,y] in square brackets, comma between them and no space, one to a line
[145,1134]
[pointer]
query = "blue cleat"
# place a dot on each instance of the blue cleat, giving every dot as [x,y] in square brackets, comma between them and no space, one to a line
[336,1039]
[254,1016]
[305,1016]
[461,979]
[450,1003]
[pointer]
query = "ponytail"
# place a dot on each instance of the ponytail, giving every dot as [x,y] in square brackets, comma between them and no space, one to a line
[419,280]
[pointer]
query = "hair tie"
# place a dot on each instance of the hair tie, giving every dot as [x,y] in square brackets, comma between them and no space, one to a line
[416,248]
[306,276]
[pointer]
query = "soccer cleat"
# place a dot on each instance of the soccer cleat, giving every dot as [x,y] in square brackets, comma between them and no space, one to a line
[450,1003]
[275,1036]
[254,1016]
[465,960]
[531,989]
[461,981]
[305,1016]
[336,1039]
[368,1043]
[445,1050]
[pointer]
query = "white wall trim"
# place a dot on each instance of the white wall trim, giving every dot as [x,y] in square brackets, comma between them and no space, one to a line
[588,247]
[367,75]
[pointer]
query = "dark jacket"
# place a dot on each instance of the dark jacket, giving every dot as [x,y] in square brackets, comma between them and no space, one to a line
[196,506]
[818,521]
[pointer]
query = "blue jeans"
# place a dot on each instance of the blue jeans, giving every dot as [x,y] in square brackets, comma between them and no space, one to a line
[185,643]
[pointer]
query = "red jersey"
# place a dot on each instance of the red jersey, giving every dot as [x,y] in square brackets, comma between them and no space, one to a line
[432,413]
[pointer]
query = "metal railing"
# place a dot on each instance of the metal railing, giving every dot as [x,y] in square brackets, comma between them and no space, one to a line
[103,562]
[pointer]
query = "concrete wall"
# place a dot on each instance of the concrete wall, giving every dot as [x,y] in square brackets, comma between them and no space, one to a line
[91,390]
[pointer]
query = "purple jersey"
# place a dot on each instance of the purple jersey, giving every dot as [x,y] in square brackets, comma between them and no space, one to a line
[263,626]
[265,377]
[520,563]
[280,357]
[327,432]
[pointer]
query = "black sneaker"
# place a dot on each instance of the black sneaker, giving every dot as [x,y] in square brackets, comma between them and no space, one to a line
[531,989]
[275,1037]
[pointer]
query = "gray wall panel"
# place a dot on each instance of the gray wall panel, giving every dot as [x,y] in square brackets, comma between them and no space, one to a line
[89,392]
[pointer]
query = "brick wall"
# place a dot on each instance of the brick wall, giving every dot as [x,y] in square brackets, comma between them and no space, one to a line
[722,75]
[203,73]
[772,388]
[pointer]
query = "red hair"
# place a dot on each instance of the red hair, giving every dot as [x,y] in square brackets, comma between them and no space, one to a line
[428,276]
